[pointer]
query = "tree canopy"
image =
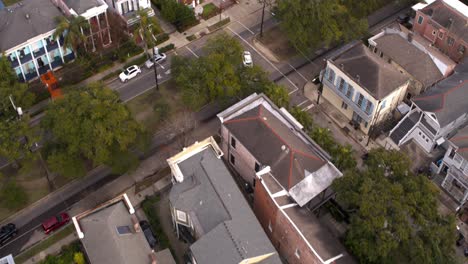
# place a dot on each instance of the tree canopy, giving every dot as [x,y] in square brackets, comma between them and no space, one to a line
[394,213]
[88,123]
[13,129]
[71,28]
[310,24]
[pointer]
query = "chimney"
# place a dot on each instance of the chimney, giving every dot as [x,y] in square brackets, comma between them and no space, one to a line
[410,36]
[450,23]
[358,78]
[342,66]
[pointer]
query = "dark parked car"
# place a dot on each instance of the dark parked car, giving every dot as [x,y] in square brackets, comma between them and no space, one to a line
[460,239]
[7,232]
[55,222]
[145,226]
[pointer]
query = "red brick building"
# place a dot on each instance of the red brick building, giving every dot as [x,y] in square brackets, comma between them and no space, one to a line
[444,24]
[289,175]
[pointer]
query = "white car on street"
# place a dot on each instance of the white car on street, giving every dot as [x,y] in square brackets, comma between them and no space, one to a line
[129,73]
[158,58]
[247,59]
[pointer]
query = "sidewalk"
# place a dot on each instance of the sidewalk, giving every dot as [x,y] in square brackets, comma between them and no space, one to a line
[52,250]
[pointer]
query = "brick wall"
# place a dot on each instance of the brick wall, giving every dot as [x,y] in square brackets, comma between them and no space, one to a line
[283,235]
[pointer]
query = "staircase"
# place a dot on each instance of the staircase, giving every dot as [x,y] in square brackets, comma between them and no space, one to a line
[404,127]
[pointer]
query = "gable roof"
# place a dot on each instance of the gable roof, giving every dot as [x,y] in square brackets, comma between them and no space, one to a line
[230,232]
[371,72]
[275,140]
[16,28]
[405,53]
[460,139]
[104,245]
[449,15]
[81,6]
[448,98]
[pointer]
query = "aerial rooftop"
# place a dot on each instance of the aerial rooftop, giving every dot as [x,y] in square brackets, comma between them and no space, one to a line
[227,228]
[366,68]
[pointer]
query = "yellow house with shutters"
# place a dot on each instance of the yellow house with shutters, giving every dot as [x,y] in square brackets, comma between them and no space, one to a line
[363,86]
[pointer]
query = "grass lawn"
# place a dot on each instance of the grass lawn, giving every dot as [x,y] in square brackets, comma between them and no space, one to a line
[10,2]
[32,178]
[142,106]
[36,249]
[277,41]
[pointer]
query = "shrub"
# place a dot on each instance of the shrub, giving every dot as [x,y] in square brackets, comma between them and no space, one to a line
[13,196]
[161,38]
[137,61]
[162,109]
[219,24]
[177,13]
[191,37]
[209,10]
[79,258]
[167,48]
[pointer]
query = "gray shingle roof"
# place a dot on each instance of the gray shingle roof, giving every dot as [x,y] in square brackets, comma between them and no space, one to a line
[15,28]
[81,6]
[460,139]
[442,13]
[448,98]
[416,62]
[104,245]
[377,76]
[231,230]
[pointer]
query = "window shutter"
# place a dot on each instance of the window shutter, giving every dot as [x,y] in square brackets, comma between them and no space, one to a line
[327,73]
[371,107]
[351,89]
[337,85]
[382,106]
[345,88]
[356,99]
[364,103]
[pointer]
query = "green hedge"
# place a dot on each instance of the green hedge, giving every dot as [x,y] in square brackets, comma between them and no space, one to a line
[138,61]
[191,37]
[209,11]
[161,38]
[180,15]
[167,48]
[219,24]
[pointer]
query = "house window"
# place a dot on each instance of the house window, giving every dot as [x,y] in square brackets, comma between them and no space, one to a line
[297,253]
[369,107]
[257,167]
[341,85]
[452,154]
[420,20]
[233,142]
[331,76]
[441,35]
[350,91]
[382,106]
[344,105]
[366,124]
[461,49]
[360,99]
[232,159]
[181,216]
[450,41]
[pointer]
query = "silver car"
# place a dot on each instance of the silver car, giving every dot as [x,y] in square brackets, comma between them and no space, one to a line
[160,57]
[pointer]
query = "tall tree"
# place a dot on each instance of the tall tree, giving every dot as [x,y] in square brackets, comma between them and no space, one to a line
[12,128]
[310,24]
[88,123]
[395,217]
[226,45]
[278,94]
[73,29]
[303,117]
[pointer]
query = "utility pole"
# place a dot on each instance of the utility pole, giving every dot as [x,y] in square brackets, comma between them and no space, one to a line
[155,67]
[17,109]
[221,5]
[263,17]
[320,89]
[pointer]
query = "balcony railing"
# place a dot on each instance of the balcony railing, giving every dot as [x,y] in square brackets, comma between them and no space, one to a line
[44,69]
[56,63]
[39,52]
[69,57]
[51,45]
[348,101]
[25,58]
[14,63]
[31,75]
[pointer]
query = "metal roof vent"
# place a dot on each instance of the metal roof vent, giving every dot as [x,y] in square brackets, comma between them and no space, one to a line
[358,77]
[27,16]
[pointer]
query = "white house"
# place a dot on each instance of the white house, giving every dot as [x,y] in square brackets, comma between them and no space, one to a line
[454,166]
[437,114]
[364,87]
[127,9]
[26,30]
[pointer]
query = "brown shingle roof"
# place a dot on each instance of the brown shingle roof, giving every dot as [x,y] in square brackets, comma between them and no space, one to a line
[377,76]
[273,143]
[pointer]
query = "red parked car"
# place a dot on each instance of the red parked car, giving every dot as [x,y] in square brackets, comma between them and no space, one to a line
[55,222]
